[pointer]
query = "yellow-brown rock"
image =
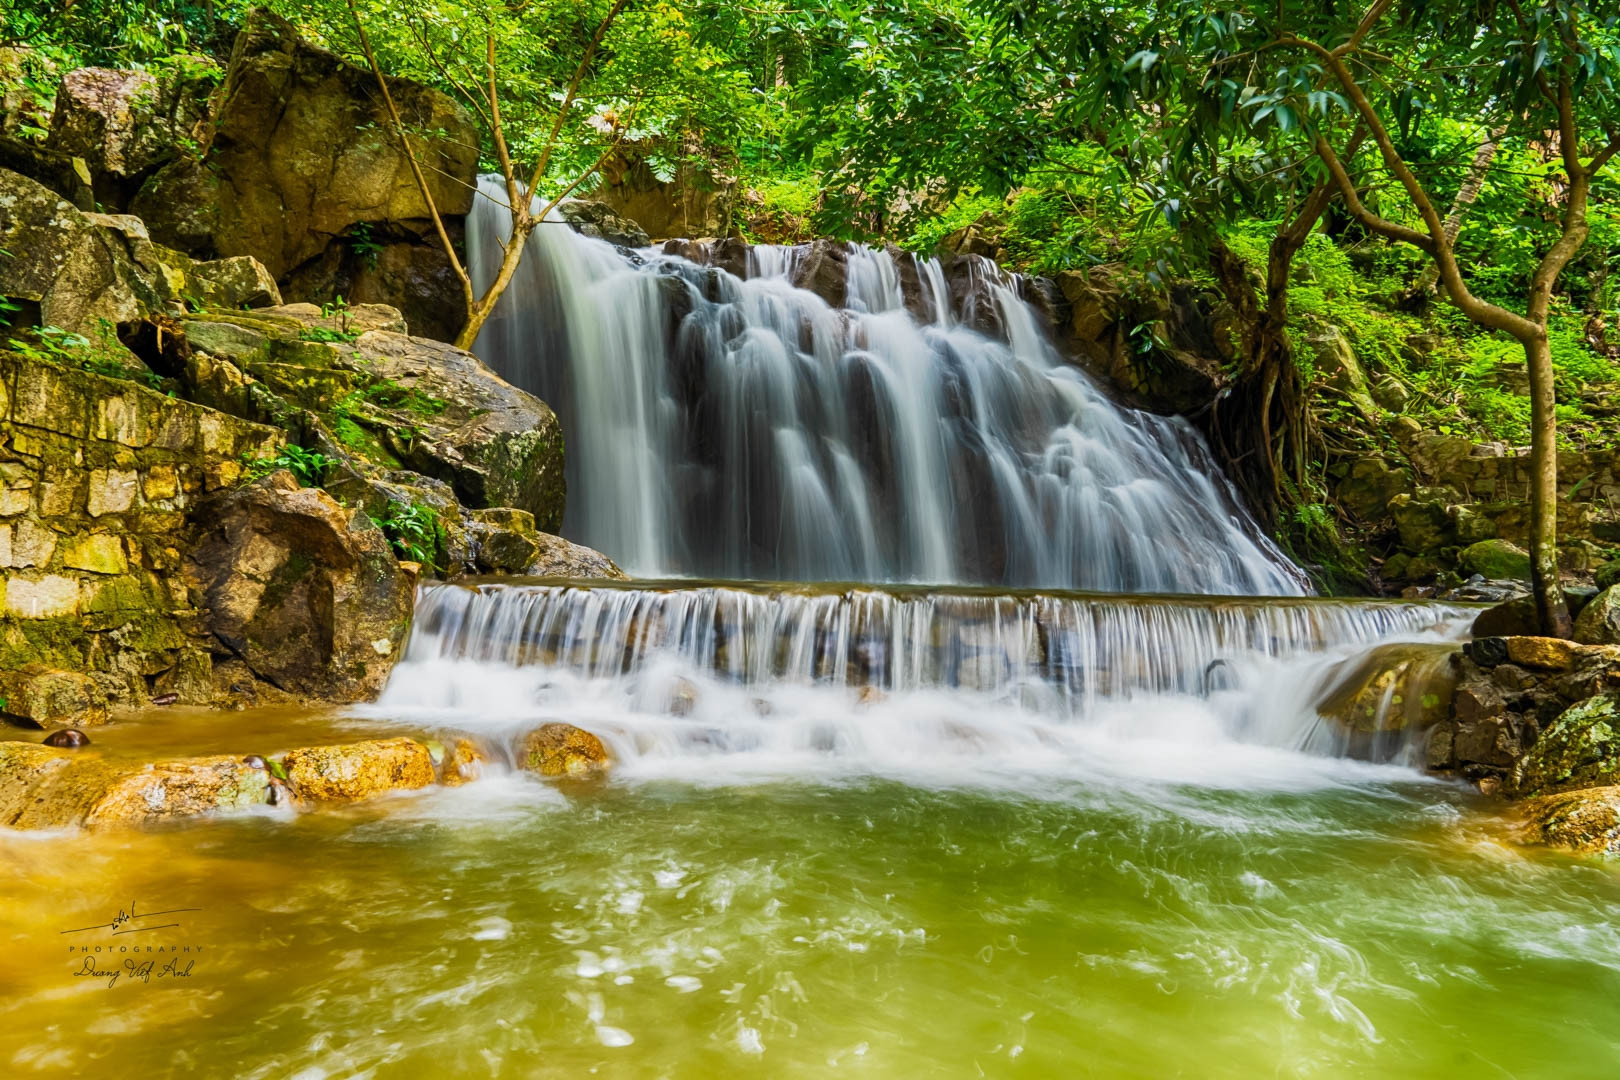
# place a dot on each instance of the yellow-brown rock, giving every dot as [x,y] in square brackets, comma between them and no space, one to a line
[559,749]
[1542,652]
[463,763]
[171,789]
[1586,821]
[43,697]
[42,788]
[1393,688]
[358,770]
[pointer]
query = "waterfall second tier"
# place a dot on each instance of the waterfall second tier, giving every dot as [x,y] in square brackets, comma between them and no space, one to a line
[870,677]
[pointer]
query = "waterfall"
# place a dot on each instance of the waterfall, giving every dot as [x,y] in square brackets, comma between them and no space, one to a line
[670,671]
[742,428]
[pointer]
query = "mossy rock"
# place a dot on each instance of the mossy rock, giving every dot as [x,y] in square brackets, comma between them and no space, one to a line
[1608,575]
[1586,822]
[1580,749]
[1499,560]
[1599,621]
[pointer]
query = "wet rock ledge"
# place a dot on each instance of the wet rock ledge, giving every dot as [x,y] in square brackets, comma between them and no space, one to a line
[46,787]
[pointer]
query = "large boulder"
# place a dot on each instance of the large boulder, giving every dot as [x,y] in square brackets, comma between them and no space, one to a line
[123,123]
[599,221]
[1580,749]
[1163,348]
[302,589]
[88,273]
[76,273]
[824,270]
[393,400]
[693,202]
[304,173]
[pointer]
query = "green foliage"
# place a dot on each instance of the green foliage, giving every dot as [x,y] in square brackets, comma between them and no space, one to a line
[308,466]
[364,245]
[326,334]
[103,356]
[414,530]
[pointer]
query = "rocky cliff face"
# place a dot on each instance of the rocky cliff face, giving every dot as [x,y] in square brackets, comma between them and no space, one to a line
[291,160]
[140,391]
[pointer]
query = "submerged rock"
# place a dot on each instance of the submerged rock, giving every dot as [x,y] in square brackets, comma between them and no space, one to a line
[559,749]
[358,770]
[1586,822]
[464,762]
[1393,688]
[67,738]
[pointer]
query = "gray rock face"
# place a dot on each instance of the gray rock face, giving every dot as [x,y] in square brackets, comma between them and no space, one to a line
[495,444]
[77,272]
[83,269]
[305,591]
[598,220]
[393,400]
[124,123]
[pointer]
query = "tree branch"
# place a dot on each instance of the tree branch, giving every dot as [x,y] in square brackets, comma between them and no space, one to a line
[568,97]
[410,156]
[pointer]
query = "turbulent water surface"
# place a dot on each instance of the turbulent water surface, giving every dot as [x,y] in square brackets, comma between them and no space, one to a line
[1122,913]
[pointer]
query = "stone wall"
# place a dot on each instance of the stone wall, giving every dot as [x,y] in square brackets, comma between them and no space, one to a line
[96,477]
[1491,471]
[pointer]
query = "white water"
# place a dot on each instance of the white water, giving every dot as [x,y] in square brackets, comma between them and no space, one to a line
[750,681]
[732,428]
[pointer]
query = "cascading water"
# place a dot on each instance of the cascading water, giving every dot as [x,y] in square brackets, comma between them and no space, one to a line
[745,429]
[699,679]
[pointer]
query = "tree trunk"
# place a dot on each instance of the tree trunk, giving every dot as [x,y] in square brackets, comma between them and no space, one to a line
[1260,426]
[1551,611]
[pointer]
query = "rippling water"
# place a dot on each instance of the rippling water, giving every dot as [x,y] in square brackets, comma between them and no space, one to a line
[1308,917]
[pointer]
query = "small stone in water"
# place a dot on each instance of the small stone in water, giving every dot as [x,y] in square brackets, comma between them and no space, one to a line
[253,761]
[166,699]
[612,1036]
[67,737]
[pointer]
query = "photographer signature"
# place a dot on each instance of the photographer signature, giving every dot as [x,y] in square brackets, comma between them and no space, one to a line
[135,969]
[122,922]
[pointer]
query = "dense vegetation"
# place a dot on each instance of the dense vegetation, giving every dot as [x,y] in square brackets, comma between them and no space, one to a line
[1393,170]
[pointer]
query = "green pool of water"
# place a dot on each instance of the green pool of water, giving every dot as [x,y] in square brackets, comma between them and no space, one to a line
[1349,922]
